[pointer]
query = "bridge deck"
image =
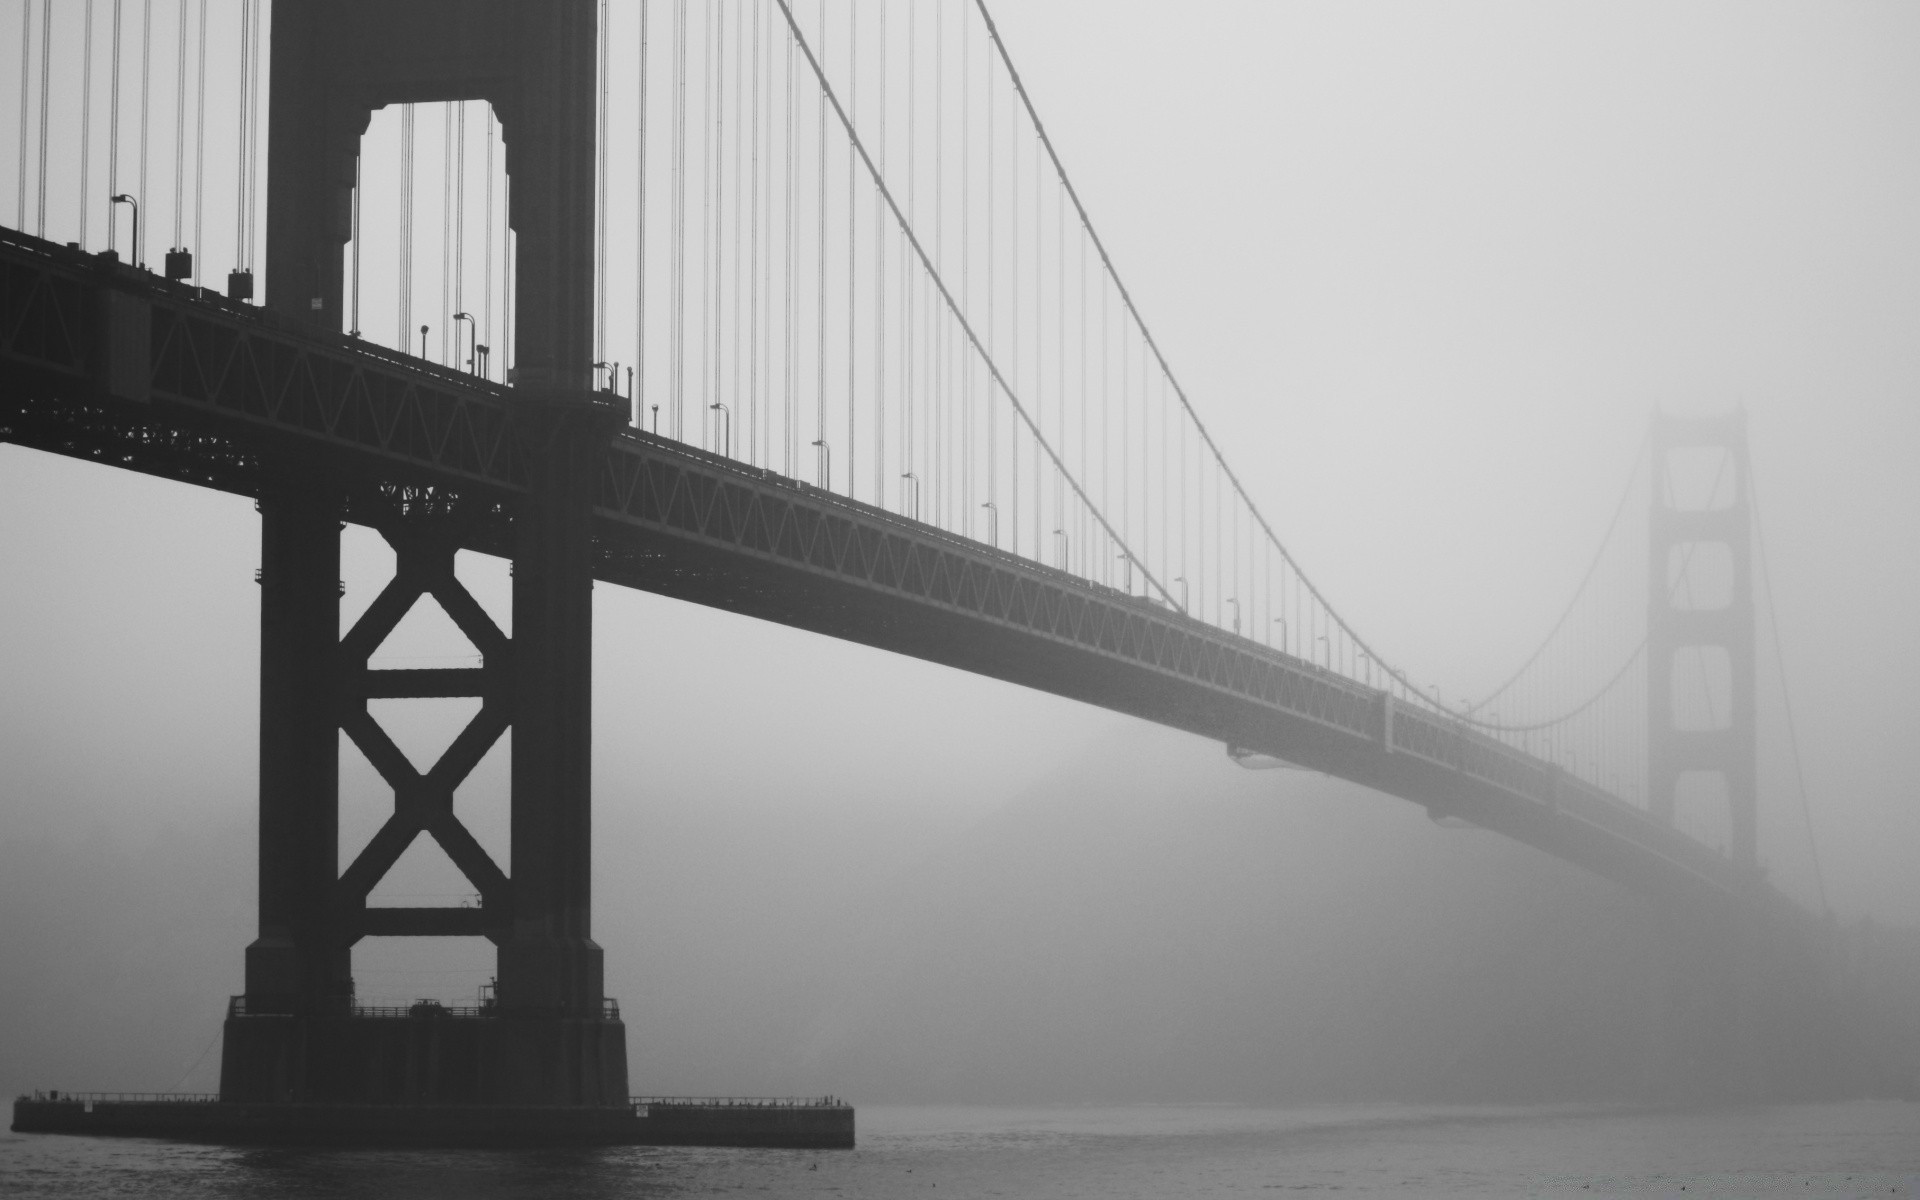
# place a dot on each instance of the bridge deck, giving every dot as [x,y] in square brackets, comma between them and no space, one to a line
[104,363]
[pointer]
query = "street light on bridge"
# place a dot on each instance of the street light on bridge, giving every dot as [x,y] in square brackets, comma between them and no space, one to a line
[473,336]
[993,525]
[130,202]
[825,464]
[727,430]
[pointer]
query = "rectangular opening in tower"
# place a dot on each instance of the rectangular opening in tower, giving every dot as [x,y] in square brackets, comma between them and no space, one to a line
[431,238]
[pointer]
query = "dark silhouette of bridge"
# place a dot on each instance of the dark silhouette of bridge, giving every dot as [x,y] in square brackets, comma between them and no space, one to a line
[563,474]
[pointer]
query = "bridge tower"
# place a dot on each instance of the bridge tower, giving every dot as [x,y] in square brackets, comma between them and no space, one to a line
[1679,538]
[551,1038]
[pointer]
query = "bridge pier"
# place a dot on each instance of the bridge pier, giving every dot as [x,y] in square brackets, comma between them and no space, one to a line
[549,1036]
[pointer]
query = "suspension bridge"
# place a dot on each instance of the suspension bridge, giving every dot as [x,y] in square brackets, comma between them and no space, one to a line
[785,307]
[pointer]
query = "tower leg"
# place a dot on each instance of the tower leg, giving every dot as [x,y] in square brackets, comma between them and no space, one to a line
[551,983]
[298,964]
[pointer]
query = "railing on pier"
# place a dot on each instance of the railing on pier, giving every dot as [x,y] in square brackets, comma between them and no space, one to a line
[56,1096]
[283,1006]
[641,1103]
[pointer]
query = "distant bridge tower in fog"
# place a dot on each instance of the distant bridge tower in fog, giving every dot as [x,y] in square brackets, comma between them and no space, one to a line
[1716,628]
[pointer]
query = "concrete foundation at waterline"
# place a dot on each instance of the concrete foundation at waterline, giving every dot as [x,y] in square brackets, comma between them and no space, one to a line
[680,1121]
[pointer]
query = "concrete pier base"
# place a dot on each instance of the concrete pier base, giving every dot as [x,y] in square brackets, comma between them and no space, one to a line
[784,1124]
[425,1054]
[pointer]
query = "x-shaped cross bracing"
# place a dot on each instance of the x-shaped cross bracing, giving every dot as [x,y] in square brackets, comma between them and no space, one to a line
[423,801]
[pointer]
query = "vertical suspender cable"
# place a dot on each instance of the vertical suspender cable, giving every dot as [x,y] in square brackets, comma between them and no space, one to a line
[640,239]
[180,127]
[880,293]
[753,307]
[821,459]
[942,359]
[446,227]
[993,409]
[509,247]
[358,186]
[200,148]
[46,79]
[792,374]
[86,120]
[677,245]
[486,256]
[113,126]
[404,338]
[146,95]
[853,105]
[1039,346]
[907,289]
[709,145]
[1013,302]
[966,283]
[242,144]
[460,238]
[600,198]
[253,138]
[26,74]
[739,120]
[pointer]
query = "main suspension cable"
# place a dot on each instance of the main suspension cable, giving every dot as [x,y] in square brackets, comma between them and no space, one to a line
[1580,589]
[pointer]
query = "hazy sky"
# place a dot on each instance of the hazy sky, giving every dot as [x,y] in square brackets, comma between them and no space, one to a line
[1426,268]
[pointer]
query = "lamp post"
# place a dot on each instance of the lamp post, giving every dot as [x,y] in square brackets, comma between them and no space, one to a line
[1235,601]
[130,202]
[423,341]
[910,477]
[727,440]
[1182,581]
[1282,623]
[473,334]
[825,463]
[1066,547]
[993,524]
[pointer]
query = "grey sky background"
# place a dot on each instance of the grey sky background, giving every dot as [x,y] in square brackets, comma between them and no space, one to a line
[1425,269]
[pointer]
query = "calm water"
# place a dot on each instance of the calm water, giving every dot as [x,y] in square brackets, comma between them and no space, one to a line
[1853,1149]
